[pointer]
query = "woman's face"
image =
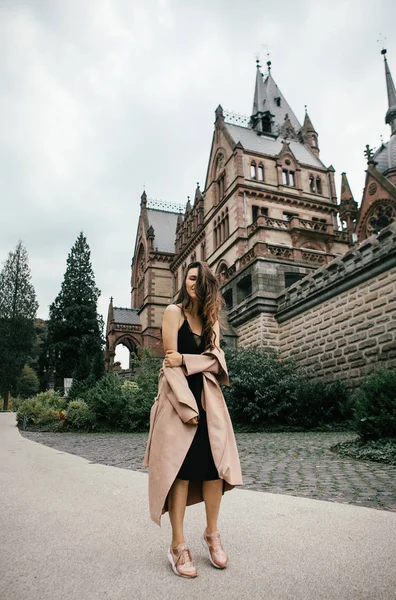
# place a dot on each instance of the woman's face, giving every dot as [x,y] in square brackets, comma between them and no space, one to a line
[191,280]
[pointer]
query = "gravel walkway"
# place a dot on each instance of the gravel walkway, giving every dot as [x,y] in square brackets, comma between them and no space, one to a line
[297,464]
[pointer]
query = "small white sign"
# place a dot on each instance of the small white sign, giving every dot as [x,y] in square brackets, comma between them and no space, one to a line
[67,383]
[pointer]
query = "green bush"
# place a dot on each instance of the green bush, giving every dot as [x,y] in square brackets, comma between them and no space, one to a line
[43,408]
[79,416]
[268,391]
[375,406]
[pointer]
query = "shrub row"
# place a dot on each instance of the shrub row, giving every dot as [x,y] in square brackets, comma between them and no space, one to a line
[265,392]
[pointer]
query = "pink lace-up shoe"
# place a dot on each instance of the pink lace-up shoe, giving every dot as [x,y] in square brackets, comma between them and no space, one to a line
[181,560]
[217,556]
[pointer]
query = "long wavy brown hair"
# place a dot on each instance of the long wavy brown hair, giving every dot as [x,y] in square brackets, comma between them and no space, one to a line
[207,290]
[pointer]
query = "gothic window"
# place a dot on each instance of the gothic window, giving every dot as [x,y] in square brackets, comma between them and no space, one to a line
[266,124]
[288,178]
[255,213]
[228,299]
[220,188]
[311,184]
[278,101]
[319,185]
[381,216]
[314,144]
[253,170]
[215,242]
[227,224]
[244,288]
[220,162]
[260,173]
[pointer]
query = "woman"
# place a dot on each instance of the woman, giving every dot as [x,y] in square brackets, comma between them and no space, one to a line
[191,449]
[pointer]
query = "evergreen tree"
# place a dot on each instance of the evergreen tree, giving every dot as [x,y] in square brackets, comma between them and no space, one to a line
[18,307]
[75,344]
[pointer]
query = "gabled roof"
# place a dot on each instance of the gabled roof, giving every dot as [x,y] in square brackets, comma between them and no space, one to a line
[126,316]
[164,224]
[268,145]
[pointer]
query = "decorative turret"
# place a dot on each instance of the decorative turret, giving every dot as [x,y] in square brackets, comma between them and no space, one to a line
[198,195]
[219,113]
[308,134]
[348,209]
[151,236]
[143,199]
[188,206]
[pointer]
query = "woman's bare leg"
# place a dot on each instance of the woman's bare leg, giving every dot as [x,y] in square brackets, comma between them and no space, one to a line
[177,499]
[212,492]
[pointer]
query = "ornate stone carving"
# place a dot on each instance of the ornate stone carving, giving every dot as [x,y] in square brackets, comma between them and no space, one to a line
[381,215]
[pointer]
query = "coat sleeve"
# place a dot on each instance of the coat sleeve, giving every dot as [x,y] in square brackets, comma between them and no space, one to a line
[198,363]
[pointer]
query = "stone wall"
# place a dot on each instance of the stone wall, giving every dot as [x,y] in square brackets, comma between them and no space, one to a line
[340,321]
[262,330]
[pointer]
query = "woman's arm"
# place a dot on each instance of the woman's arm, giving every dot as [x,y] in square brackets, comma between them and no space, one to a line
[170,328]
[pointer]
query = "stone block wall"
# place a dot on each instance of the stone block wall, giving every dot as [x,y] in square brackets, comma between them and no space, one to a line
[262,330]
[340,321]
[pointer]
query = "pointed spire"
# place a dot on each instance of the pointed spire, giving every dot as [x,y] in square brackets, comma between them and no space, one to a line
[390,117]
[308,134]
[179,221]
[348,208]
[198,195]
[143,199]
[259,92]
[346,193]
[188,206]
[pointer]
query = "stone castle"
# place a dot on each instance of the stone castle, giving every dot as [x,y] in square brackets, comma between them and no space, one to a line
[267,223]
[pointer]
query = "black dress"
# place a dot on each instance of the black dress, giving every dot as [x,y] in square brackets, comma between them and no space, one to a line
[198,464]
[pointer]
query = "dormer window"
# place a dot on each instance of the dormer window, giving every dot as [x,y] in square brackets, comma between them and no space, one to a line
[314,144]
[266,124]
[278,101]
[253,170]
[288,178]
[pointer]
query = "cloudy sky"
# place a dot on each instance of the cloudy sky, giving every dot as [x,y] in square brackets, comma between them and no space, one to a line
[100,98]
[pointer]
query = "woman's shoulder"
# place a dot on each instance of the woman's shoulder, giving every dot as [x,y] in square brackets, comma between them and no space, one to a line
[173,312]
[173,309]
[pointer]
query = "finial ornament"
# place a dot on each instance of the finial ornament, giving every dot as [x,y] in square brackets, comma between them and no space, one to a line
[368,152]
[111,299]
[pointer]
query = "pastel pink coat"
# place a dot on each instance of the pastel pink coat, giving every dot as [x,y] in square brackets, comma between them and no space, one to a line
[170,437]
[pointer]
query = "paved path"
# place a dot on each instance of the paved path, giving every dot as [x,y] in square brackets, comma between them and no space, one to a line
[74,530]
[297,464]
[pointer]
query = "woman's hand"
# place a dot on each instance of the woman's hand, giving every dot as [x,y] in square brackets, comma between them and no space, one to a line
[173,359]
[193,421]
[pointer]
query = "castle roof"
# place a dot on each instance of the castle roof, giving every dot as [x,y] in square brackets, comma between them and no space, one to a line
[263,144]
[126,316]
[164,224]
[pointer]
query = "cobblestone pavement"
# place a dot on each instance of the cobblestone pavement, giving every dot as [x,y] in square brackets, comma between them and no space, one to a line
[298,464]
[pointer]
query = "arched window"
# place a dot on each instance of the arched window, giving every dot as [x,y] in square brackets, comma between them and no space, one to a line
[215,241]
[314,143]
[260,172]
[319,185]
[253,170]
[227,225]
[311,184]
